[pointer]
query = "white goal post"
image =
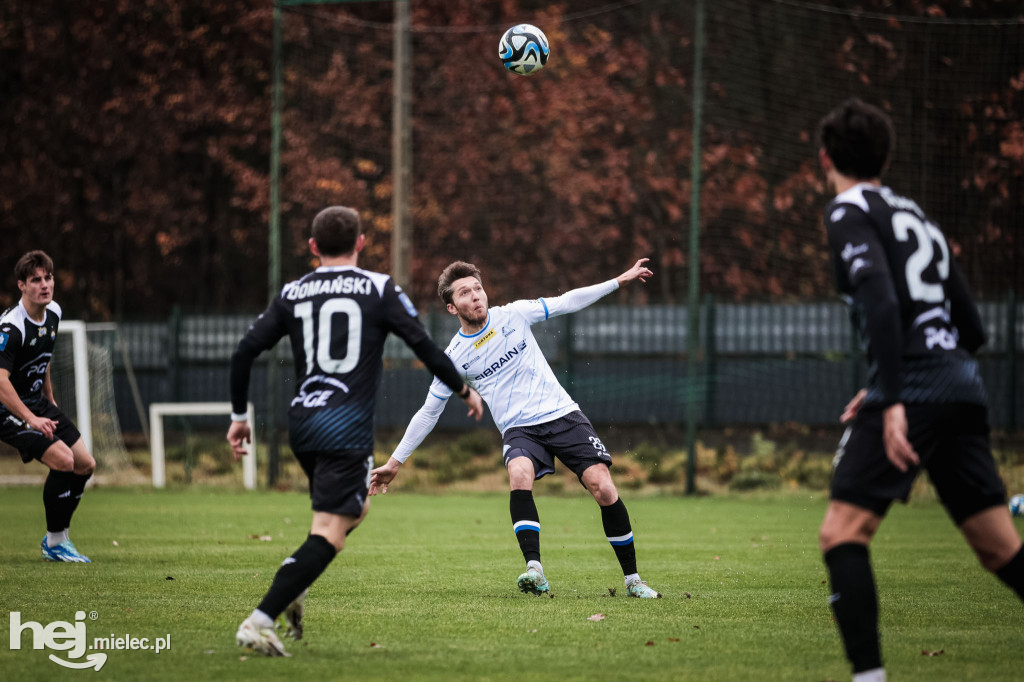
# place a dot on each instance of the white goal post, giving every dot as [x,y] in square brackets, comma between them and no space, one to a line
[80,356]
[157,411]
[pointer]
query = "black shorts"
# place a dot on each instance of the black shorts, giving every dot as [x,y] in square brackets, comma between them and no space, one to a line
[952,441]
[33,444]
[571,439]
[338,484]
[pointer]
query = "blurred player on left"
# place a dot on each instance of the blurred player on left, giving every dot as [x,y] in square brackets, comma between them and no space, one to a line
[29,418]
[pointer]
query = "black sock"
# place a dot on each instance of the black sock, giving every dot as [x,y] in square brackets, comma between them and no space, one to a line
[77,490]
[297,572]
[59,499]
[525,523]
[1013,573]
[620,534]
[855,604]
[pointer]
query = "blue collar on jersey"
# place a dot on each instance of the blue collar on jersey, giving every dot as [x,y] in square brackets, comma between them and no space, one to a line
[469,336]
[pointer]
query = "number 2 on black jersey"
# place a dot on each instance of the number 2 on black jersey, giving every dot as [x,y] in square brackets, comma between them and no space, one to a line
[903,223]
[322,358]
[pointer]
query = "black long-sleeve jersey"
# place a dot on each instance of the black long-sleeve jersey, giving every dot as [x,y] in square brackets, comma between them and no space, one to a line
[337,319]
[908,300]
[26,349]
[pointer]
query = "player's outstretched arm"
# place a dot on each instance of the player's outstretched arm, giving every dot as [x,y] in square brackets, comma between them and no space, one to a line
[639,271]
[421,424]
[578,299]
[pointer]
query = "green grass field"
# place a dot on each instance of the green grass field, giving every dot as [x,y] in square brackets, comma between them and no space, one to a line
[426,590]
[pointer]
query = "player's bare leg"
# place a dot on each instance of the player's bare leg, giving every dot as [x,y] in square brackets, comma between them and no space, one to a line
[993,537]
[617,528]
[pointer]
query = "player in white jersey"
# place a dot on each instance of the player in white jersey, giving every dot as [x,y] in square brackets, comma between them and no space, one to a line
[496,353]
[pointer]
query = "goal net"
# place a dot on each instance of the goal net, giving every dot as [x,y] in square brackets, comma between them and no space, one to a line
[82,373]
[562,179]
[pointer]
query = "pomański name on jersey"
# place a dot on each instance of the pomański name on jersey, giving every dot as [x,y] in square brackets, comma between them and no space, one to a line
[337,319]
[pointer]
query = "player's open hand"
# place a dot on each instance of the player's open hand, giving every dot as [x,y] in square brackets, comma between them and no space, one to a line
[42,424]
[638,271]
[382,476]
[894,434]
[476,404]
[853,407]
[238,435]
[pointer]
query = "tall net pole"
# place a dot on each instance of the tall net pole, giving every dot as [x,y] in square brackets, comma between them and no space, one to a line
[693,301]
[401,149]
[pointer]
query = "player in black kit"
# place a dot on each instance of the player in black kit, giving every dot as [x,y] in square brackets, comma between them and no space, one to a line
[337,318]
[29,418]
[924,406]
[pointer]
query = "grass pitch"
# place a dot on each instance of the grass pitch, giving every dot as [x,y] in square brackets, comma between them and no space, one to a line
[426,590]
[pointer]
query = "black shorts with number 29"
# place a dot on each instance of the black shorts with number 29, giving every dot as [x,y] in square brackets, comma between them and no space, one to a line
[571,439]
[952,441]
[33,444]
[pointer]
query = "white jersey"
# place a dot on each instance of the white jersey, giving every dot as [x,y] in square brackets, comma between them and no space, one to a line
[507,368]
[504,363]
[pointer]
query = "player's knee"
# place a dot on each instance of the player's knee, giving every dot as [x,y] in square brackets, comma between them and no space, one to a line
[84,466]
[520,472]
[993,558]
[60,461]
[604,493]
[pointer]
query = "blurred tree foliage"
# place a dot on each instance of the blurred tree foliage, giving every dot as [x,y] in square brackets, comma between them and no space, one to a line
[135,137]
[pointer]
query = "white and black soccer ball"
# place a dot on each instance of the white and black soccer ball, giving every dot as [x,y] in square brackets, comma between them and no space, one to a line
[1017,505]
[524,49]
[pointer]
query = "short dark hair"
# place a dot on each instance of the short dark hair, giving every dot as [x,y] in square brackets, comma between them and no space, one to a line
[453,272]
[30,262]
[858,137]
[336,230]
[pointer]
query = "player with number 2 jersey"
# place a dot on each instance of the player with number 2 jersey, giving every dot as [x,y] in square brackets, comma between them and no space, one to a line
[924,406]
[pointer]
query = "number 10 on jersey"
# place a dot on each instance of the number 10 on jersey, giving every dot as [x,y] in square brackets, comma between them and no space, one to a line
[318,332]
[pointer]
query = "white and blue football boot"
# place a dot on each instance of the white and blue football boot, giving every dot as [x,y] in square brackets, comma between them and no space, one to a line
[65,551]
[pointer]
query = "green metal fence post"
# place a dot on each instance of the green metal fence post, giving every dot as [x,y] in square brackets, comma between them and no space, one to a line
[274,252]
[1011,362]
[174,353]
[709,361]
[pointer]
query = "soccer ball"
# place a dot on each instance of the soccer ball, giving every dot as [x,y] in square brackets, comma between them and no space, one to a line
[1017,505]
[524,49]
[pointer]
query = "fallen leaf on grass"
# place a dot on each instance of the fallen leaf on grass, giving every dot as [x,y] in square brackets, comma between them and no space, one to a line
[374,645]
[925,652]
[696,627]
[649,643]
[686,594]
[596,617]
[168,578]
[611,591]
[673,639]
